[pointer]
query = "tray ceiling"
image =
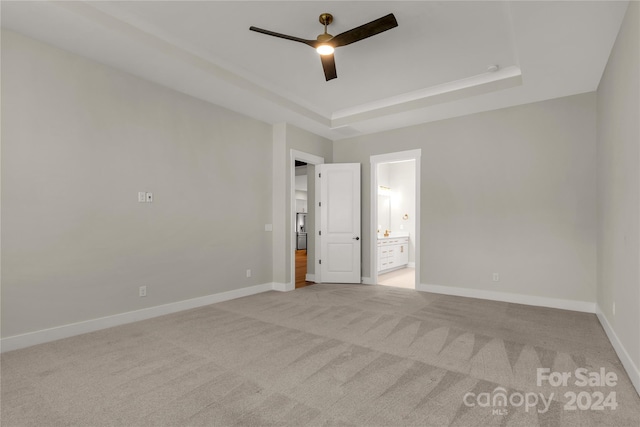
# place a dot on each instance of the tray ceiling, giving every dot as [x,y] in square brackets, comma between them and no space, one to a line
[433,66]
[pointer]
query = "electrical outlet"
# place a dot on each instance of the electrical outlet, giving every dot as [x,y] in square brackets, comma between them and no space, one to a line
[142,291]
[149,197]
[496,277]
[248,272]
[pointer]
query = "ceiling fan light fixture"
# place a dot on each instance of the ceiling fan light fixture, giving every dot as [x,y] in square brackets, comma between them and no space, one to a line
[325,49]
[325,43]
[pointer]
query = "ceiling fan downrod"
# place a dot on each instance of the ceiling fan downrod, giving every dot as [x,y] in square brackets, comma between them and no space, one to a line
[325,19]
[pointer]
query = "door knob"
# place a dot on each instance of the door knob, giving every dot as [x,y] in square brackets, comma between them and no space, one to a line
[356,238]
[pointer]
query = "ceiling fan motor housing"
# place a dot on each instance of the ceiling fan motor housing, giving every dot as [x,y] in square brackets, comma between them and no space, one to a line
[324,37]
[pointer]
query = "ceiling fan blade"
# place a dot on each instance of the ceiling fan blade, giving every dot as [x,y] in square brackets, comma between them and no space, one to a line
[363,31]
[311,43]
[329,66]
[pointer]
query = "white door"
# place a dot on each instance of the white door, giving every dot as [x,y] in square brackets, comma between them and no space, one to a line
[339,230]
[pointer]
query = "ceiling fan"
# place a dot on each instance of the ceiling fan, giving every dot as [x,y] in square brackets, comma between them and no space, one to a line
[326,43]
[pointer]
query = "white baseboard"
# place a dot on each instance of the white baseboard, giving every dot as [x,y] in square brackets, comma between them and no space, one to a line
[310,278]
[411,265]
[584,306]
[46,335]
[627,362]
[564,304]
[367,281]
[284,287]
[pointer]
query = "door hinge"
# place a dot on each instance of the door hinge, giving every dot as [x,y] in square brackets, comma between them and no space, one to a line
[319,204]
[319,261]
[320,175]
[319,233]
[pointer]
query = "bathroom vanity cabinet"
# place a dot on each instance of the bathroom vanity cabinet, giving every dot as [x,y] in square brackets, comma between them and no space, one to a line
[393,253]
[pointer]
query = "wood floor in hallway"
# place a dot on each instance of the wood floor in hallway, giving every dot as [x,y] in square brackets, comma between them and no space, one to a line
[301,269]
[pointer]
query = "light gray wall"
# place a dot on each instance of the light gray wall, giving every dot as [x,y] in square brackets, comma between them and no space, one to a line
[509,191]
[79,140]
[619,186]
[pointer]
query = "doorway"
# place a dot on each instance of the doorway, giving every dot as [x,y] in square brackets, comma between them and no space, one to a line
[303,212]
[301,226]
[395,207]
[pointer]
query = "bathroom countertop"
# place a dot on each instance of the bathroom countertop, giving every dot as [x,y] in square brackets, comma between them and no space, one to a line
[393,235]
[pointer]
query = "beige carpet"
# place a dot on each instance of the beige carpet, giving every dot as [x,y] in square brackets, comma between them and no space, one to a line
[321,355]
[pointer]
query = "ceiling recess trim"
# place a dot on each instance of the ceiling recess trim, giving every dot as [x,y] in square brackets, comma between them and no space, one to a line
[505,78]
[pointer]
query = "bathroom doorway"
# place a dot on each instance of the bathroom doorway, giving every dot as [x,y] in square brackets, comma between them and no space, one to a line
[395,203]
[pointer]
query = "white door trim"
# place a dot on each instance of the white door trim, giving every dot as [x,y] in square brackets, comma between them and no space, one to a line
[373,250]
[310,159]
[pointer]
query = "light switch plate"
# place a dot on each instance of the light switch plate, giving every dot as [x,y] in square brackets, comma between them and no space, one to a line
[268,227]
[142,197]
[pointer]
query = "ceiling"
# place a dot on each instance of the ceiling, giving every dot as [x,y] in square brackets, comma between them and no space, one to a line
[433,66]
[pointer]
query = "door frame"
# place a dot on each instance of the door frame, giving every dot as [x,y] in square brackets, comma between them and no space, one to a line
[373,250]
[309,159]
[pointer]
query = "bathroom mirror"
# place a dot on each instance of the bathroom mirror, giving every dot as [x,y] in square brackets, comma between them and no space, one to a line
[384,209]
